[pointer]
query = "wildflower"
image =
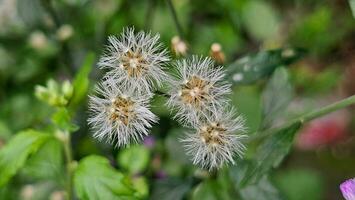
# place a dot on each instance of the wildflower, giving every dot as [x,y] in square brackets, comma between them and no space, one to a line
[216,140]
[119,116]
[348,189]
[198,89]
[135,60]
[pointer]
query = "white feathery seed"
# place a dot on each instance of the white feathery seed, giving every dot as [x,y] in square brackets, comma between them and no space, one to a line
[135,60]
[119,116]
[197,89]
[216,140]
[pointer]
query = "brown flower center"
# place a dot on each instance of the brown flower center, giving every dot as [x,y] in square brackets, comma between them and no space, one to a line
[121,110]
[212,133]
[195,91]
[134,64]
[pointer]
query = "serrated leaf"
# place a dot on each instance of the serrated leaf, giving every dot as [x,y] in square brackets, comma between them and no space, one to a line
[15,153]
[62,120]
[276,96]
[270,154]
[170,189]
[81,81]
[95,178]
[134,159]
[253,67]
[263,190]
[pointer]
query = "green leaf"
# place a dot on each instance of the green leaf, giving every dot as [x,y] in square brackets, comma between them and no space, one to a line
[81,81]
[253,67]
[270,154]
[352,6]
[170,189]
[47,163]
[95,178]
[263,190]
[276,96]
[211,190]
[62,120]
[261,20]
[299,184]
[134,159]
[14,155]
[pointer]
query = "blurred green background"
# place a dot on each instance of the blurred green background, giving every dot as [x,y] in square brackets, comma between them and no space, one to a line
[42,40]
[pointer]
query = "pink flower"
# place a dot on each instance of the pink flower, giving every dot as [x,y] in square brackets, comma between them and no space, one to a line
[324,131]
[348,189]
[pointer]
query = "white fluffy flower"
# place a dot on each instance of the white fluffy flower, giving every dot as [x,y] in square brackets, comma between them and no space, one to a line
[216,140]
[119,116]
[135,60]
[197,89]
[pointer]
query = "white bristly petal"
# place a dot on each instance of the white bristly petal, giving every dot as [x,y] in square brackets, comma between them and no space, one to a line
[115,131]
[143,46]
[214,94]
[212,155]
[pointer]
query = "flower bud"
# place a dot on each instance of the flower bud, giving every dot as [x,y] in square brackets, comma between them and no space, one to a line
[38,40]
[41,93]
[67,89]
[65,32]
[179,47]
[217,54]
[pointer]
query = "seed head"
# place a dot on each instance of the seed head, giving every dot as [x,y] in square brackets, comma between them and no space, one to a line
[215,140]
[135,60]
[119,116]
[197,89]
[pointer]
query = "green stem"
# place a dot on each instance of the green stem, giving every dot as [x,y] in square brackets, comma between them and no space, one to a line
[69,164]
[175,18]
[307,117]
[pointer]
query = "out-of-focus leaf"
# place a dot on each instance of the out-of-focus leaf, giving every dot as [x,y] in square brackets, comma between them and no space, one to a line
[276,96]
[299,184]
[211,190]
[5,132]
[170,189]
[81,81]
[62,119]
[270,154]
[261,20]
[352,6]
[134,159]
[94,179]
[14,155]
[263,190]
[140,184]
[248,101]
[253,67]
[47,163]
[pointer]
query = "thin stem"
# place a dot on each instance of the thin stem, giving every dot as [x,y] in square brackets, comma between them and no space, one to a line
[175,18]
[69,164]
[307,117]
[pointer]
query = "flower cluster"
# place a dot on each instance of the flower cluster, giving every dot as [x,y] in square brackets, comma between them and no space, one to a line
[120,112]
[197,93]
